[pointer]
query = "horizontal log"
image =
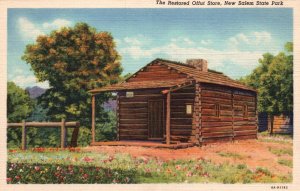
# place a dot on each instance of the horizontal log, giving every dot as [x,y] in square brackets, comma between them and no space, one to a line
[181,122]
[181,114]
[245,137]
[243,128]
[44,124]
[243,98]
[242,103]
[127,105]
[125,132]
[212,106]
[133,115]
[215,124]
[215,88]
[133,137]
[133,110]
[181,132]
[216,119]
[217,134]
[176,126]
[217,129]
[238,123]
[134,125]
[133,121]
[215,94]
[238,118]
[216,100]
[245,132]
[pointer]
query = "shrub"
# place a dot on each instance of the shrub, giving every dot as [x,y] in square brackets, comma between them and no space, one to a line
[286,162]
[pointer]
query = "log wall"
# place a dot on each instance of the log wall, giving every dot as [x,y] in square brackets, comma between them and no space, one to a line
[181,122]
[222,114]
[133,113]
[245,127]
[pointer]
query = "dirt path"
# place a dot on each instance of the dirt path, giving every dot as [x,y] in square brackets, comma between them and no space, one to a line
[253,153]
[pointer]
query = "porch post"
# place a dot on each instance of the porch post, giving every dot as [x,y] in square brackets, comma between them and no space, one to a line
[168,118]
[93,118]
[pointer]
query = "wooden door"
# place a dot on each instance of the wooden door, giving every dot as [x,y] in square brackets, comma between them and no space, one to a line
[155,119]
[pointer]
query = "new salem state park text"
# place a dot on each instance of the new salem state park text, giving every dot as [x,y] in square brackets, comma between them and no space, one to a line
[160,2]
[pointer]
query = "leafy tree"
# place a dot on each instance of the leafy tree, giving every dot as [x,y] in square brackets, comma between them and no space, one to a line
[273,79]
[19,104]
[74,60]
[19,107]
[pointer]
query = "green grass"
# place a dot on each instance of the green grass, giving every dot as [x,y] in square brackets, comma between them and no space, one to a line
[231,155]
[275,138]
[135,170]
[281,151]
[286,162]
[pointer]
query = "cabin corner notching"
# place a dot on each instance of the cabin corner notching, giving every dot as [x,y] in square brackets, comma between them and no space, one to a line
[173,102]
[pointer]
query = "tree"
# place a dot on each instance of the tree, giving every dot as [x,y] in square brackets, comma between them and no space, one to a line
[19,107]
[19,104]
[74,60]
[273,79]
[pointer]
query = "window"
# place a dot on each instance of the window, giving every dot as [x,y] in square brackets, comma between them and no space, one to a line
[245,111]
[189,109]
[217,110]
[129,94]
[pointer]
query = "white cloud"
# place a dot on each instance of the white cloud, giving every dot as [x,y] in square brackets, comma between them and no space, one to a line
[206,42]
[251,39]
[133,41]
[56,24]
[183,40]
[29,80]
[30,30]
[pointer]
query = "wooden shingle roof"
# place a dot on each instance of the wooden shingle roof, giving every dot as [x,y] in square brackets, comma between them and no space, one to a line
[212,77]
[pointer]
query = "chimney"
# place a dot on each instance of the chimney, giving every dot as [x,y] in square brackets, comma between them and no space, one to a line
[199,64]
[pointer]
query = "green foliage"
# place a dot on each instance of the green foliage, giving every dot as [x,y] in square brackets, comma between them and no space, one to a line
[19,107]
[280,152]
[286,162]
[273,79]
[19,104]
[73,61]
[138,169]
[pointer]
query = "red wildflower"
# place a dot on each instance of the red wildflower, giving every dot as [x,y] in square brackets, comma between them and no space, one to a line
[189,174]
[85,176]
[37,168]
[178,167]
[17,177]
[205,174]
[8,179]
[87,159]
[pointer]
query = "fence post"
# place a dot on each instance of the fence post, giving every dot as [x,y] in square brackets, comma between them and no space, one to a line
[24,141]
[63,134]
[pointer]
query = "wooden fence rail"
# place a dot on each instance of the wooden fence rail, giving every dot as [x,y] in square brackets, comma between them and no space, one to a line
[63,125]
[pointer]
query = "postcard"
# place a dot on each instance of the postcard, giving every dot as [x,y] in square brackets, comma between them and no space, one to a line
[154,95]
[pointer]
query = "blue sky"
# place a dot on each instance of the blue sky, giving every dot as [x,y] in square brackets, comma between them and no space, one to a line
[232,40]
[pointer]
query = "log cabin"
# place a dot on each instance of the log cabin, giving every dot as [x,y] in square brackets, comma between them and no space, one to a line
[173,104]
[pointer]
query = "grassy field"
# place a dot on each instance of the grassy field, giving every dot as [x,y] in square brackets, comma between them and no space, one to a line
[80,166]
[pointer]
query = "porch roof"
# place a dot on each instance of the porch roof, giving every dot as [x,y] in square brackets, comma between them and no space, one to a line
[142,85]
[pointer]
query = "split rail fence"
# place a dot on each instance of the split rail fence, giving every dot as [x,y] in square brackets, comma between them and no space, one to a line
[63,125]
